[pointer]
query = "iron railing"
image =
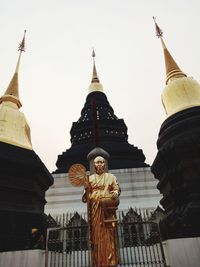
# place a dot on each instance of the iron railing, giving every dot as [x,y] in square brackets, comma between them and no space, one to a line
[138,238]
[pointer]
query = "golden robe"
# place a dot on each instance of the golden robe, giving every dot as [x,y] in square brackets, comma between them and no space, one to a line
[103,234]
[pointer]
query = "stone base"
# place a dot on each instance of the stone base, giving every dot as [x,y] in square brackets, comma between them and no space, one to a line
[24,258]
[183,252]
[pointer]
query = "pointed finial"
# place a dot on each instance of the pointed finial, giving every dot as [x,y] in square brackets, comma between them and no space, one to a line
[159,32]
[95,78]
[172,69]
[21,47]
[93,54]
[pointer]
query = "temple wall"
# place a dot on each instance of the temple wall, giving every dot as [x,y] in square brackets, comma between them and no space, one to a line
[138,187]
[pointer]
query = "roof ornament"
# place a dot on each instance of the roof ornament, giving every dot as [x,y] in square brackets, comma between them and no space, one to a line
[159,32]
[95,78]
[93,55]
[21,48]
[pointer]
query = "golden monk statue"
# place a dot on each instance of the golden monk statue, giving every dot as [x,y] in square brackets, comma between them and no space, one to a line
[102,195]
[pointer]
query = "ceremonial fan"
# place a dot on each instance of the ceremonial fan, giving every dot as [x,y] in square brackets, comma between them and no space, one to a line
[77,175]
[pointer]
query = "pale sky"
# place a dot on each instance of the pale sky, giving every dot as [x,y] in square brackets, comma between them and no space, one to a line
[56,69]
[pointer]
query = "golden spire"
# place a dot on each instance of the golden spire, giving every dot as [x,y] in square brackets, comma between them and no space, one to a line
[95,83]
[95,78]
[172,69]
[14,128]
[12,92]
[181,92]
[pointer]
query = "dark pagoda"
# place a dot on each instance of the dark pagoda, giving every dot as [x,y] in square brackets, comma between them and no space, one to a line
[177,164]
[23,176]
[99,126]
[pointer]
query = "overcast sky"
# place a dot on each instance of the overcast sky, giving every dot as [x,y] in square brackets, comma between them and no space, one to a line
[56,69]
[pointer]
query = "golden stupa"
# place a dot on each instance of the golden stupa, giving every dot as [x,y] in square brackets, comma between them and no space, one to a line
[14,128]
[181,92]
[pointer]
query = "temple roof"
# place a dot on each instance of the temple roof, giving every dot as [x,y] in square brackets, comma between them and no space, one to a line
[98,126]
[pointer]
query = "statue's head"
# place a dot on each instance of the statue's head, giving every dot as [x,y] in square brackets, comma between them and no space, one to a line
[99,164]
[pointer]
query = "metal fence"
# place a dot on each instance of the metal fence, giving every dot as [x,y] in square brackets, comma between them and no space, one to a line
[138,238]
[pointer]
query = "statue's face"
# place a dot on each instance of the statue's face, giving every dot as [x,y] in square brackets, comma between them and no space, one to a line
[99,164]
